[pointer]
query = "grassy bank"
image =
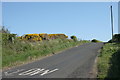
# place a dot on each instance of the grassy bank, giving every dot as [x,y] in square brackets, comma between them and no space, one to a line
[22,51]
[108,61]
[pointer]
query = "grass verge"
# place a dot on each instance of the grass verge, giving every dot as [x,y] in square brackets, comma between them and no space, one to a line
[108,61]
[20,52]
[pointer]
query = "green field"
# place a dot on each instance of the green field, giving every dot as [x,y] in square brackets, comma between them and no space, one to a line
[109,61]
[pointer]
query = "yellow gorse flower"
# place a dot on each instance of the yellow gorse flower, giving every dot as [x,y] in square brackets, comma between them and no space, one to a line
[42,36]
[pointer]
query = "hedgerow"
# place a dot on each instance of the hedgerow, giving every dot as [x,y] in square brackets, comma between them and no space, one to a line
[40,37]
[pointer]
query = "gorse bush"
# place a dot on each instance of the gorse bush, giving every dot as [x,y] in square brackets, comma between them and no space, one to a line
[43,36]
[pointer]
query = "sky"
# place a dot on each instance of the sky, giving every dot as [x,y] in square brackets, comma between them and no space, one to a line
[119,17]
[86,20]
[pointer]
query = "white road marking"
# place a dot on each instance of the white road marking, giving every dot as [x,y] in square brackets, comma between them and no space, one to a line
[35,71]
[48,71]
[31,72]
[10,73]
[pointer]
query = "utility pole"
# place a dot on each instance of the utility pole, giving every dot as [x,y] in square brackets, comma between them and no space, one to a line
[111,20]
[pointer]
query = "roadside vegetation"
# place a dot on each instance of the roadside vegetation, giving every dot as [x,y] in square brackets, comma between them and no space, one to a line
[96,41]
[109,59]
[18,50]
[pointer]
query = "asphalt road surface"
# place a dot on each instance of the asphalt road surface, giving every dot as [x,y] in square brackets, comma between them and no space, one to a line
[76,62]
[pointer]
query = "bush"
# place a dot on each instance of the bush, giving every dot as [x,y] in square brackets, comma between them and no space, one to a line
[7,38]
[43,36]
[74,38]
[94,40]
[116,38]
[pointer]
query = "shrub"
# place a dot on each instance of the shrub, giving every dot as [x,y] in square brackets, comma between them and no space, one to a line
[116,38]
[74,38]
[7,38]
[43,36]
[94,40]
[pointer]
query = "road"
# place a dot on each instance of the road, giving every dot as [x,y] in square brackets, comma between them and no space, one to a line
[76,62]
